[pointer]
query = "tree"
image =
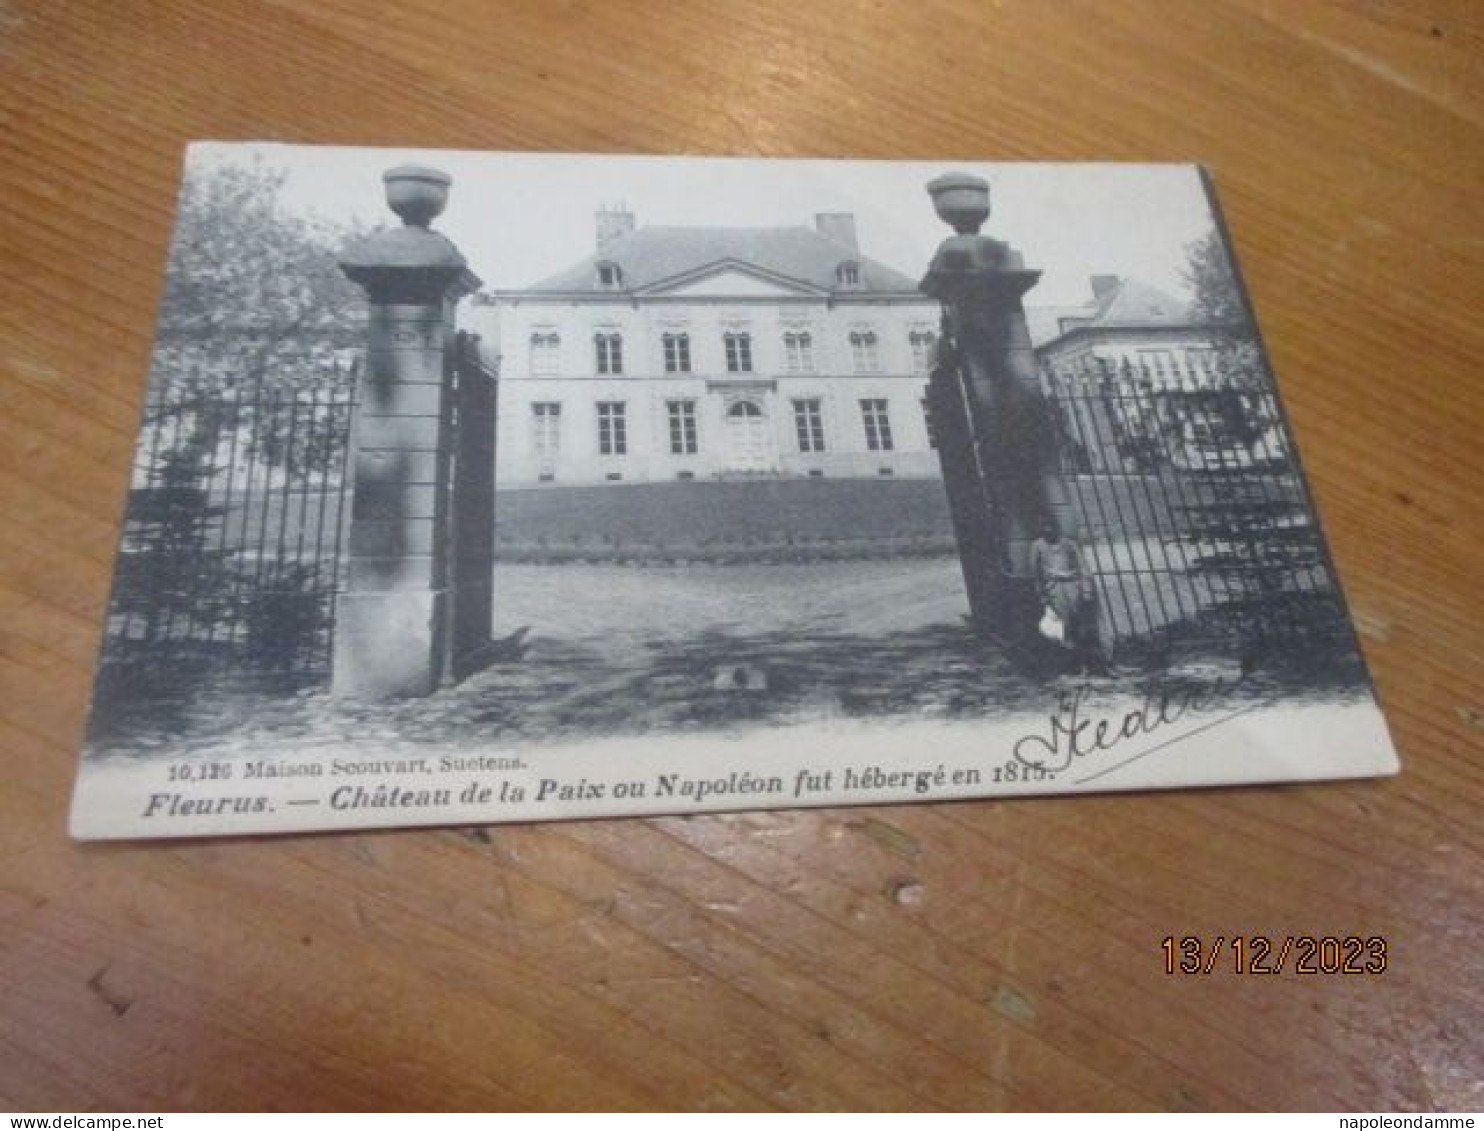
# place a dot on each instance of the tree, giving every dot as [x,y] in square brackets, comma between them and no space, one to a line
[246,416]
[1220,306]
[172,576]
[251,287]
[255,304]
[1253,546]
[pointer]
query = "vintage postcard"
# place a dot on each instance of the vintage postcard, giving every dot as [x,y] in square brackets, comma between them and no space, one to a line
[480,487]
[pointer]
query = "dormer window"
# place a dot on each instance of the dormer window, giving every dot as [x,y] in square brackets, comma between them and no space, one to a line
[610,275]
[848,274]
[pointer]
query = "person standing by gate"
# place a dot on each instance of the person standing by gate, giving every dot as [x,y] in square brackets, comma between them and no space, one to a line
[1066,593]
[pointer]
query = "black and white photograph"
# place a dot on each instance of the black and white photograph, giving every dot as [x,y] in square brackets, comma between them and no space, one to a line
[480,487]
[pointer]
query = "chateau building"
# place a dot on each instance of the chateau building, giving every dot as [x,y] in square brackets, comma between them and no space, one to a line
[676,353]
[707,353]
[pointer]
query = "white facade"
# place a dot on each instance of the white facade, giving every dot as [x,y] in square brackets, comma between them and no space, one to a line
[726,369]
[1129,328]
[1185,355]
[732,353]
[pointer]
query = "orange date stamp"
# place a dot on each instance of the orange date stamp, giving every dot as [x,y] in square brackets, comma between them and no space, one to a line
[1264,954]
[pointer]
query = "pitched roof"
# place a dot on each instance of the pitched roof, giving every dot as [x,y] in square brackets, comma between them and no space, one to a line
[1047,323]
[1133,303]
[1129,304]
[653,254]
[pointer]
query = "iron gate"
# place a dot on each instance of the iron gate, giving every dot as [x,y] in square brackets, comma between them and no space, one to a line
[1194,517]
[229,559]
[472,507]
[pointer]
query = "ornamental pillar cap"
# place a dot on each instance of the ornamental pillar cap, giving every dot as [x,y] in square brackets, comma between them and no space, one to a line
[416,193]
[968,266]
[961,201]
[410,264]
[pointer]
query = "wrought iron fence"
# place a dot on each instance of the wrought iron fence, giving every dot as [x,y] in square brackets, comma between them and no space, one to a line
[230,555]
[1194,516]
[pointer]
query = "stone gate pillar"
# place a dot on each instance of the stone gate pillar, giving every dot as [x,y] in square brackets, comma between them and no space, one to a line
[1000,461]
[392,620]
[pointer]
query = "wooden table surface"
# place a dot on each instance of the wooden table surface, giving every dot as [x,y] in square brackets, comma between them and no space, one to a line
[974,955]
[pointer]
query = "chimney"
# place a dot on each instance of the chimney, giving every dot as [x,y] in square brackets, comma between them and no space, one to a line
[613,225]
[1103,287]
[838,226]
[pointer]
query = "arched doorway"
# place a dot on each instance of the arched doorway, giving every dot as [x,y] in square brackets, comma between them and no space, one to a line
[749,447]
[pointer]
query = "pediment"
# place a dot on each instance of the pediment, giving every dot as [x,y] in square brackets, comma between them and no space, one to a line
[730,279]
